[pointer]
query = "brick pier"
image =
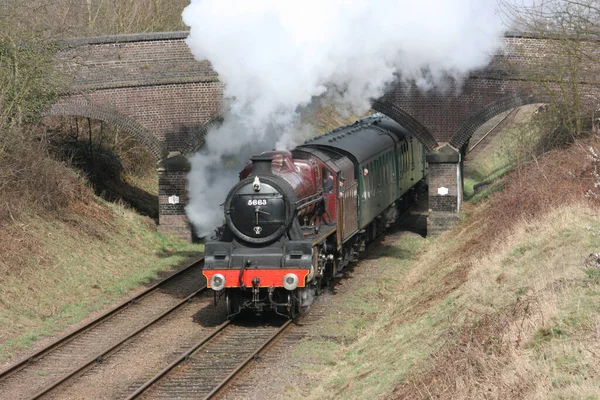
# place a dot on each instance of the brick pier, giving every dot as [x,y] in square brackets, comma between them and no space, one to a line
[445,189]
[172,196]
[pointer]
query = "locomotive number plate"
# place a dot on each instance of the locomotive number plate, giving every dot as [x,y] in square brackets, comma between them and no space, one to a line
[257,202]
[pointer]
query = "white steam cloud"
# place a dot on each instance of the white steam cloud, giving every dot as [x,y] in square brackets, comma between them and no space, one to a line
[277,56]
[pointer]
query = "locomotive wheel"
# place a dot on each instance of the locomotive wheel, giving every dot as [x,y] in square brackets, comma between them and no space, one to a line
[292,309]
[319,286]
[305,298]
[330,271]
[232,304]
[302,311]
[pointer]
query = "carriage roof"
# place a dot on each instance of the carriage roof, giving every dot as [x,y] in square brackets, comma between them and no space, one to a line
[361,140]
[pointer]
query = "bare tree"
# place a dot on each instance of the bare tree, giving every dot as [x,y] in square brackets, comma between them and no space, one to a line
[567,70]
[30,31]
[118,17]
[28,83]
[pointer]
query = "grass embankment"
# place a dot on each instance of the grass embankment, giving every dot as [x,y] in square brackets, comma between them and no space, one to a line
[486,166]
[65,252]
[483,175]
[67,269]
[504,306]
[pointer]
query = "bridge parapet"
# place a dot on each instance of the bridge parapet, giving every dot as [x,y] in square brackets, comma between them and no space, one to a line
[132,61]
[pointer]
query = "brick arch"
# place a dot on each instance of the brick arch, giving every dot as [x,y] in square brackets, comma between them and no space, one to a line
[517,99]
[86,109]
[196,139]
[165,97]
[406,120]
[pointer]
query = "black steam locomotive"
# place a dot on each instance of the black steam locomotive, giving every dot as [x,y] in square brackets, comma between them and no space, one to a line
[296,219]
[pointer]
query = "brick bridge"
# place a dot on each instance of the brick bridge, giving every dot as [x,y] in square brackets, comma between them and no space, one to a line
[150,86]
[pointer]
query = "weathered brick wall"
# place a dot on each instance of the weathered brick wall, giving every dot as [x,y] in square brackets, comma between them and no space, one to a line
[132,60]
[527,53]
[125,72]
[150,85]
[447,117]
[445,113]
[151,79]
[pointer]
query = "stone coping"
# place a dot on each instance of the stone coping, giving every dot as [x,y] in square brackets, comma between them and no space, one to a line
[180,35]
[126,38]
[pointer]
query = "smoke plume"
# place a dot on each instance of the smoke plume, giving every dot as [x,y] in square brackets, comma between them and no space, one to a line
[276,57]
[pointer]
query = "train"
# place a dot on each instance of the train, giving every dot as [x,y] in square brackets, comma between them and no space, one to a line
[296,219]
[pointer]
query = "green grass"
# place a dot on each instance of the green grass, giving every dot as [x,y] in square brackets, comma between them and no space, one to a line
[488,169]
[385,333]
[79,267]
[514,145]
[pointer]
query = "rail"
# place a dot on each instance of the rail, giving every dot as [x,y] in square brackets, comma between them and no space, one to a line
[97,322]
[512,112]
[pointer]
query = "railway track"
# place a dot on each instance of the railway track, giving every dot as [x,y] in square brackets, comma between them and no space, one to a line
[206,368]
[276,358]
[41,373]
[277,353]
[497,127]
[119,354]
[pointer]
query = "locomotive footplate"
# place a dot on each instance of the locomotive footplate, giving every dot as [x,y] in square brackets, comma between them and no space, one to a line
[255,278]
[323,232]
[241,264]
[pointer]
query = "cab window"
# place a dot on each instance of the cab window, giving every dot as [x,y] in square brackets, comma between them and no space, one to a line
[327,181]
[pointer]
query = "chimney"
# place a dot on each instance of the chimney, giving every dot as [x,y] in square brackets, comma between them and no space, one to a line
[261,165]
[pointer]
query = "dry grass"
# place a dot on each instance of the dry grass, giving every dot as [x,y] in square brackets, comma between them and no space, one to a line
[63,251]
[519,322]
[33,182]
[502,307]
[522,331]
[53,272]
[81,18]
[325,117]
[527,323]
[557,178]
[117,166]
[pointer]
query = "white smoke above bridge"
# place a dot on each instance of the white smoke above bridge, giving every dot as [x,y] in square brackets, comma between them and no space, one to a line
[277,56]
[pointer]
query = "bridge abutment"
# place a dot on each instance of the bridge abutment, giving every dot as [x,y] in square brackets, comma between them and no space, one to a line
[172,197]
[445,189]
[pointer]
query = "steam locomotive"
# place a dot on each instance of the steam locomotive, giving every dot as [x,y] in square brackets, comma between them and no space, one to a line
[297,218]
